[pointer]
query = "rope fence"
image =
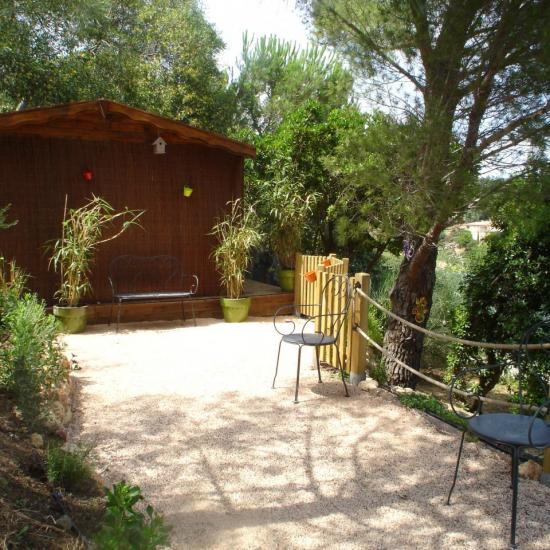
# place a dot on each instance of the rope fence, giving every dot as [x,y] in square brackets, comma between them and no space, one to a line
[445,338]
[451,339]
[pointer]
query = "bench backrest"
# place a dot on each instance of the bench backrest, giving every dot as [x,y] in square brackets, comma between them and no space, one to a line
[162,273]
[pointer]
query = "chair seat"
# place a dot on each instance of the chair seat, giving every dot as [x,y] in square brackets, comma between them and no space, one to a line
[309,339]
[510,429]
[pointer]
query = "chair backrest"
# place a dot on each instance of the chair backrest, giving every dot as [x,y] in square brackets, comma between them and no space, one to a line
[534,364]
[131,273]
[336,296]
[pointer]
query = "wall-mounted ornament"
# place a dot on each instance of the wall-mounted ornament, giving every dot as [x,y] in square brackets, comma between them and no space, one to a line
[88,175]
[159,146]
[187,191]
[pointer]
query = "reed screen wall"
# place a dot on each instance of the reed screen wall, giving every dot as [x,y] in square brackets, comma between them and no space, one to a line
[36,174]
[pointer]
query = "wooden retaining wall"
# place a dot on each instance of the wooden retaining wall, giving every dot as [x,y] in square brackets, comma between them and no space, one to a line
[261,306]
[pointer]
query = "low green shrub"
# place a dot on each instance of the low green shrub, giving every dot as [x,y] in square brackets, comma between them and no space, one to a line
[30,357]
[13,281]
[68,469]
[429,403]
[379,373]
[125,528]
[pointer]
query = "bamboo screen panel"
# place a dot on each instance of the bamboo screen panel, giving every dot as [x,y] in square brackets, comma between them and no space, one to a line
[36,174]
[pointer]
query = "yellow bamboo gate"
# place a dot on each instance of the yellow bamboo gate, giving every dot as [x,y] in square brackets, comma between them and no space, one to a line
[310,301]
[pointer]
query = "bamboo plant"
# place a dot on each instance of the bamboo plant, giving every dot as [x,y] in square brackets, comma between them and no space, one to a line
[83,230]
[237,234]
[288,214]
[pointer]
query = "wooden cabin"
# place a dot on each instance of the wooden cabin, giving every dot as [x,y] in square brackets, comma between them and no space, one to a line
[129,157]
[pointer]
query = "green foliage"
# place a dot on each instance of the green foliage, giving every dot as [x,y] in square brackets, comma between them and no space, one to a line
[237,234]
[429,403]
[508,289]
[463,85]
[463,238]
[288,215]
[30,359]
[13,281]
[82,232]
[379,197]
[379,373]
[293,158]
[125,528]
[276,77]
[68,469]
[159,56]
[291,104]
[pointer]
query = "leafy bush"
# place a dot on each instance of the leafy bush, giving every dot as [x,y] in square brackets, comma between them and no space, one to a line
[379,373]
[12,285]
[30,357]
[463,238]
[127,529]
[429,403]
[68,469]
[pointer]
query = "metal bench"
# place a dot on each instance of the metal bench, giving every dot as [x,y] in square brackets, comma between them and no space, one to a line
[150,278]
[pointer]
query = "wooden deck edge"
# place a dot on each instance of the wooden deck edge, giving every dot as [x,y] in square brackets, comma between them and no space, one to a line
[262,306]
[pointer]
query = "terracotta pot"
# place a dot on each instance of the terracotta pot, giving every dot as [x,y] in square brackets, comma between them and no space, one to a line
[310,276]
[327,262]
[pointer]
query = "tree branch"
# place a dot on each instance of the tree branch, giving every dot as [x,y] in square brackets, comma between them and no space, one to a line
[511,126]
[371,44]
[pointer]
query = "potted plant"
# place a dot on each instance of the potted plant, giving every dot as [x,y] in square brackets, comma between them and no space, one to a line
[237,234]
[288,216]
[83,230]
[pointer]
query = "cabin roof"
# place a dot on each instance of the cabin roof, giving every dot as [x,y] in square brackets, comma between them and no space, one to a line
[105,120]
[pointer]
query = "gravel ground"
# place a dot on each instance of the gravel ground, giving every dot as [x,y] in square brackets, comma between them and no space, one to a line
[188,413]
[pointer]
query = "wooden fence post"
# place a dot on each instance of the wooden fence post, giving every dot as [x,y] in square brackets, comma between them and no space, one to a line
[298,278]
[358,363]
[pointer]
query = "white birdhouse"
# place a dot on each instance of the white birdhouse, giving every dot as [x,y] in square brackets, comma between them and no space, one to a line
[159,146]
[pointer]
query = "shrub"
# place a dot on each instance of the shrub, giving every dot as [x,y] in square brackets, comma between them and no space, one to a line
[12,285]
[127,529]
[68,469]
[429,403]
[30,357]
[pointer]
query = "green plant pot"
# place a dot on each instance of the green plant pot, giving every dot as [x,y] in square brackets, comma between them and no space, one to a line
[286,280]
[72,319]
[235,310]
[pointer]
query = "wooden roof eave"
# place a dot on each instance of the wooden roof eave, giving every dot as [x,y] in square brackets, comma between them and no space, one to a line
[48,115]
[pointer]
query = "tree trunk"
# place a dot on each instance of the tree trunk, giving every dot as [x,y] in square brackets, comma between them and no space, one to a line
[411,299]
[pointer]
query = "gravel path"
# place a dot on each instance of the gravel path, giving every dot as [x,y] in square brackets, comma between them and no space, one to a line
[188,414]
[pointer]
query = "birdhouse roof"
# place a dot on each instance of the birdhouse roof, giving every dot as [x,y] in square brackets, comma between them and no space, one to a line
[104,120]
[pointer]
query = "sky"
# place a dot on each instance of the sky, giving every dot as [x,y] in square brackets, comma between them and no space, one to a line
[259,17]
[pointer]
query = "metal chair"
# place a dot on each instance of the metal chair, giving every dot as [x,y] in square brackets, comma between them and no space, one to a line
[527,429]
[338,286]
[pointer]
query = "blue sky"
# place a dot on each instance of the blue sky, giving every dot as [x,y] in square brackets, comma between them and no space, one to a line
[259,17]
